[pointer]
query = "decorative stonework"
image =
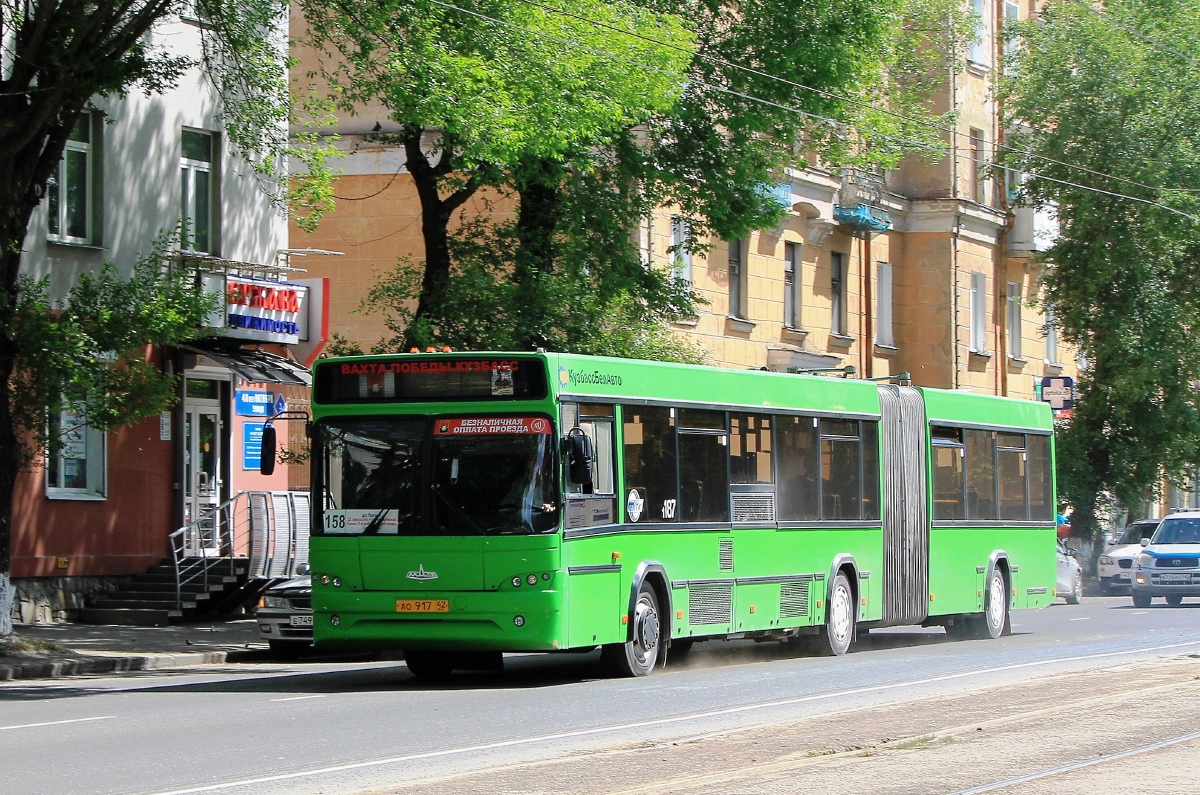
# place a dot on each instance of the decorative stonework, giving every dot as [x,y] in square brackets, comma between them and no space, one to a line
[47,600]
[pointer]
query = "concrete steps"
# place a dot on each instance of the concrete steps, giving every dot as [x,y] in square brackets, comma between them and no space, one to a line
[149,600]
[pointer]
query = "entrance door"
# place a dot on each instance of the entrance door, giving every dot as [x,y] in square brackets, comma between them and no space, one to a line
[202,467]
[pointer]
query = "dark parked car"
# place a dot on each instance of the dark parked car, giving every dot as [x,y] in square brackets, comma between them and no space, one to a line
[285,617]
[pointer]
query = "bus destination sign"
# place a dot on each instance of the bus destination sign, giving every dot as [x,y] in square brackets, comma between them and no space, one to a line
[412,379]
[476,426]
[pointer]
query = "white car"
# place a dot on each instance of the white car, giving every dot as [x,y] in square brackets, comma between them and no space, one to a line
[1169,565]
[1070,576]
[1116,564]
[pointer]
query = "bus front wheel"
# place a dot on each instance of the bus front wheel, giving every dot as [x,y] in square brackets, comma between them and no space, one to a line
[429,664]
[834,638]
[637,657]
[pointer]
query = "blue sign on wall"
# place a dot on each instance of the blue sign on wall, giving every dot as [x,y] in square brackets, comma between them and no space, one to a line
[252,444]
[251,403]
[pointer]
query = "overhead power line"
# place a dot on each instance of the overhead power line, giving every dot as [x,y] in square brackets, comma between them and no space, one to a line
[920,145]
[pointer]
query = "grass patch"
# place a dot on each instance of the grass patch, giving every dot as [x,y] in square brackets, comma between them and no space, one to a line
[914,743]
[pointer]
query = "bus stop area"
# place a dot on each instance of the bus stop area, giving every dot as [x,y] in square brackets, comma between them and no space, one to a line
[54,650]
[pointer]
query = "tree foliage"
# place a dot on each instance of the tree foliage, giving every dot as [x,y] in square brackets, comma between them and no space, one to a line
[592,115]
[92,352]
[1105,97]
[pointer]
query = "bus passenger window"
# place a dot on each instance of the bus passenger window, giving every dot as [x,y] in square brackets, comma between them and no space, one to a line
[798,469]
[948,502]
[841,485]
[870,448]
[650,464]
[981,474]
[1041,479]
[1010,455]
[703,478]
[750,449]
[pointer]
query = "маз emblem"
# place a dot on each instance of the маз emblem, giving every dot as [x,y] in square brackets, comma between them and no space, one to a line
[421,574]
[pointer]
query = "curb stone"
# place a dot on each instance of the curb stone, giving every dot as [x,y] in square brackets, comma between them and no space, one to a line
[84,663]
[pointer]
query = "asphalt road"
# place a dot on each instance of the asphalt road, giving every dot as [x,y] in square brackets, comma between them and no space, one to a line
[335,727]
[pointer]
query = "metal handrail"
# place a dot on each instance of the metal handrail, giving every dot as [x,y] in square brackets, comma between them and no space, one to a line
[269,528]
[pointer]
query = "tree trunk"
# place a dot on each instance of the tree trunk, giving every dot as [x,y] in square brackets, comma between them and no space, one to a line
[16,207]
[538,184]
[436,213]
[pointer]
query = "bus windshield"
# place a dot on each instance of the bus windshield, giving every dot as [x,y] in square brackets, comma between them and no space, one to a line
[494,485]
[483,476]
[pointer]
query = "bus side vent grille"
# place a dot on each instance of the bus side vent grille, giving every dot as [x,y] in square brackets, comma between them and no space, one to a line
[753,507]
[793,599]
[710,605]
[725,554]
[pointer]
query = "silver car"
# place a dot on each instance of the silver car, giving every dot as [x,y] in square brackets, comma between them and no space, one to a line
[285,617]
[1070,575]
[1169,563]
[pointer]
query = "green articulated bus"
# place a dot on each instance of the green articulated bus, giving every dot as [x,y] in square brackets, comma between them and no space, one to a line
[470,504]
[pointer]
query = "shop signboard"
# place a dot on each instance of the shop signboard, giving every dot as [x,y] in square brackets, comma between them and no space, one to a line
[258,310]
[1059,392]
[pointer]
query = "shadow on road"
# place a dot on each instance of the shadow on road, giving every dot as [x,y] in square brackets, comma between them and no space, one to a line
[520,671]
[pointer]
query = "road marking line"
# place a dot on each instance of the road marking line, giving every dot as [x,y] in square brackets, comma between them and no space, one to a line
[1085,618]
[55,722]
[1139,613]
[716,713]
[296,698]
[1079,765]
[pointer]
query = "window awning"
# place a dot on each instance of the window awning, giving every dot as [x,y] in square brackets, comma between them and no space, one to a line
[256,366]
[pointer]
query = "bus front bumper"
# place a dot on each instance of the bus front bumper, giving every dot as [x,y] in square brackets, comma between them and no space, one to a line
[476,621]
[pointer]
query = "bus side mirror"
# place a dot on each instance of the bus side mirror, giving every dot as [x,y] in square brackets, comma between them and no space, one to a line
[579,458]
[266,463]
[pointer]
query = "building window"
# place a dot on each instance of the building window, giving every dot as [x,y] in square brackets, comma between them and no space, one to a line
[681,258]
[198,192]
[978,312]
[884,334]
[737,278]
[1012,15]
[1014,320]
[837,292]
[977,52]
[977,167]
[69,188]
[791,301]
[1051,337]
[76,460]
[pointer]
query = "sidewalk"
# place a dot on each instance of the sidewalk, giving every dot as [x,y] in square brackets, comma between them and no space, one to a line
[55,650]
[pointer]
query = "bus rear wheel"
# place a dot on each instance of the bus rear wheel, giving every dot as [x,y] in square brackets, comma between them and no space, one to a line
[994,620]
[835,636]
[638,656]
[429,664]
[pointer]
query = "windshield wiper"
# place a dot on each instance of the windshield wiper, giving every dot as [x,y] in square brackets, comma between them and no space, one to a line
[373,527]
[462,516]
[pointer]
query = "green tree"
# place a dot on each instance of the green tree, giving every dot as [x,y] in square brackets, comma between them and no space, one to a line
[703,144]
[487,94]
[54,57]
[1104,97]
